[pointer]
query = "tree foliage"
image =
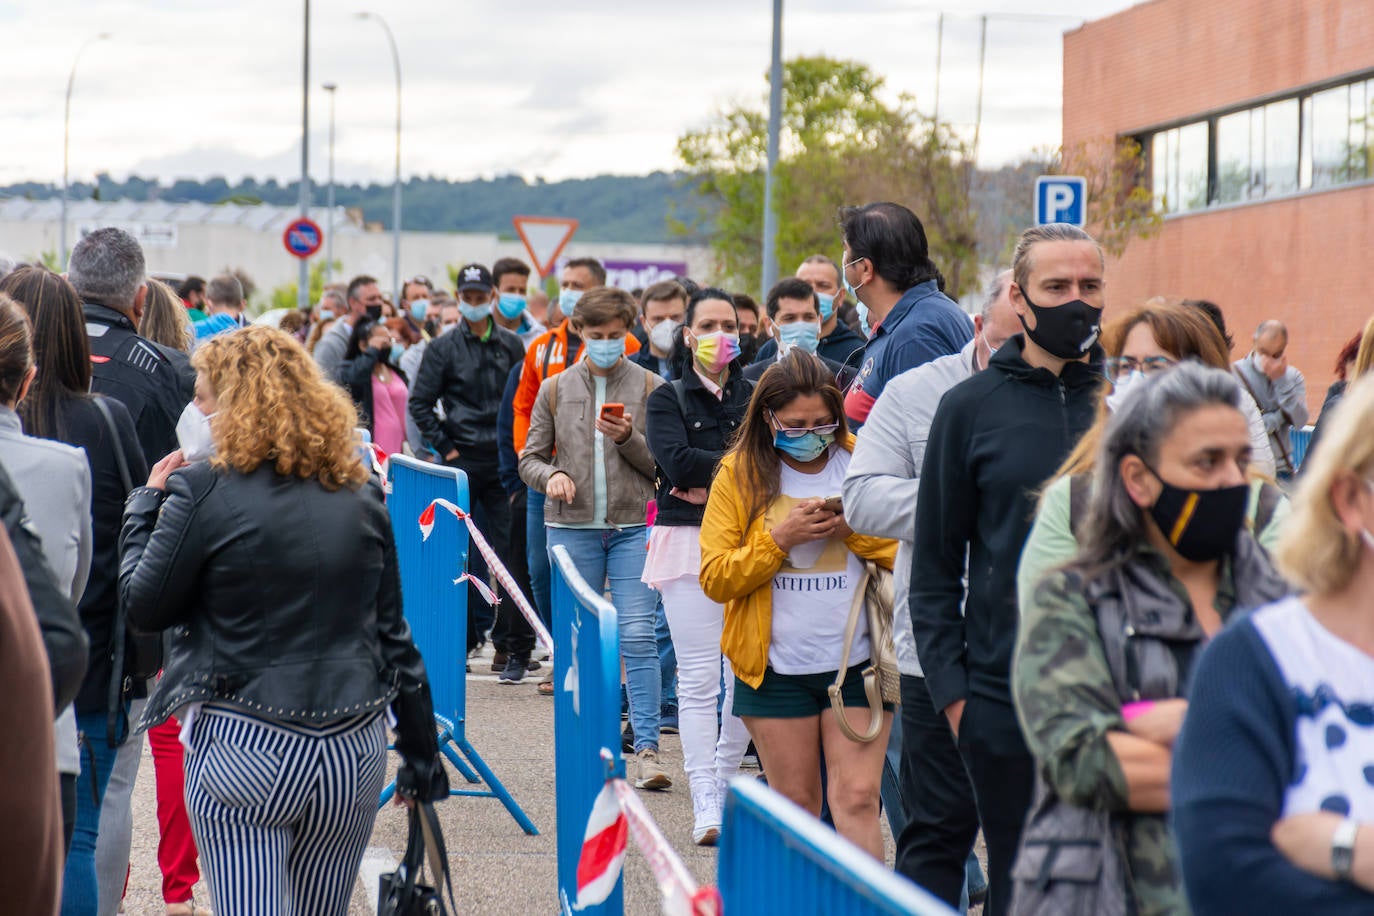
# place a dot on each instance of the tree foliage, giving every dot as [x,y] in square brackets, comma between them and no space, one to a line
[1120,205]
[840,144]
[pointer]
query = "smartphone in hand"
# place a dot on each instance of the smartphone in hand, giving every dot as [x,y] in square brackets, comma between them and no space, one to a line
[833,504]
[612,410]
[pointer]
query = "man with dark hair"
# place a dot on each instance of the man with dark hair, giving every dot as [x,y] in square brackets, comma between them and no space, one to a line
[192,293]
[364,301]
[994,441]
[512,279]
[225,297]
[661,309]
[466,370]
[887,268]
[753,326]
[108,271]
[838,342]
[794,319]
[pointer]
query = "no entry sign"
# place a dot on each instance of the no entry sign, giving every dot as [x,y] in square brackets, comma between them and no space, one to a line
[303,237]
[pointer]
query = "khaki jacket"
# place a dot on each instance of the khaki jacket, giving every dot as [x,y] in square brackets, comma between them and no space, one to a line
[738,561]
[561,438]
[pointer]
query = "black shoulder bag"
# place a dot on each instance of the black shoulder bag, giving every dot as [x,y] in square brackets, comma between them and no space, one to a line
[400,892]
[134,655]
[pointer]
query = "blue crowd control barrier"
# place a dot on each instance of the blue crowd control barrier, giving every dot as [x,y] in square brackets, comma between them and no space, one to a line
[777,859]
[437,611]
[586,679]
[1299,440]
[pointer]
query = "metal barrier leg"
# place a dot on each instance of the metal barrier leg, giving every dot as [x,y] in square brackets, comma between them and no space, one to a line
[498,791]
[458,762]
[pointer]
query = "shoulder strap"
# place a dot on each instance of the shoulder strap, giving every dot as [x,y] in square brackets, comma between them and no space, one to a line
[125,477]
[1269,496]
[1080,489]
[680,389]
[649,376]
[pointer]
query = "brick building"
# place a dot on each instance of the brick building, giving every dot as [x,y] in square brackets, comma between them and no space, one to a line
[1255,119]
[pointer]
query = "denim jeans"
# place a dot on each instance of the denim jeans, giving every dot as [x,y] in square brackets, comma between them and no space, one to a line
[80,891]
[537,556]
[618,554]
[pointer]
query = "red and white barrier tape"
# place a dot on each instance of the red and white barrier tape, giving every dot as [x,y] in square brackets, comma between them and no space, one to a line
[681,895]
[493,563]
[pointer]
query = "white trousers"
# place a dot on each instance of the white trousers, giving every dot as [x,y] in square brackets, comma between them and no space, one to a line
[711,754]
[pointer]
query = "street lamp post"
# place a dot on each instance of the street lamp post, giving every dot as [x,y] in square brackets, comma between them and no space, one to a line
[66,143]
[770,212]
[396,189]
[329,220]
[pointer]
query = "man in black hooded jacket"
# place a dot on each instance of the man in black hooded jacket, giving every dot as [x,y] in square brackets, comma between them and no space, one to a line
[995,440]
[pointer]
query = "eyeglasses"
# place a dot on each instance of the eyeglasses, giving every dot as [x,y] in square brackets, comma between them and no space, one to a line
[796,432]
[1118,366]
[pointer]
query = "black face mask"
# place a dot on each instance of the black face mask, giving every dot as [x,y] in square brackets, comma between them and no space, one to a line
[748,348]
[1200,524]
[1066,331]
[374,312]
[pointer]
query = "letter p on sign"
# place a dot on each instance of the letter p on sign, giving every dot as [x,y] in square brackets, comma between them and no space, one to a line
[1061,199]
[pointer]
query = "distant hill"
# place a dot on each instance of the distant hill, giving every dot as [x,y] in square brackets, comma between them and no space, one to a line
[611,208]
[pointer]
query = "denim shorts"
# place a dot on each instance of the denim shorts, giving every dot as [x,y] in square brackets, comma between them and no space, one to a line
[799,696]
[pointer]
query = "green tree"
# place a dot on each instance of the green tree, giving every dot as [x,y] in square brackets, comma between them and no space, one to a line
[1120,204]
[840,144]
[284,296]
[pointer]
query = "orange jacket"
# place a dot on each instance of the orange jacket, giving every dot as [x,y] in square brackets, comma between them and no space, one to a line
[544,358]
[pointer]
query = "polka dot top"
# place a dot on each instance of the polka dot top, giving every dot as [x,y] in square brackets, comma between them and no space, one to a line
[1332,683]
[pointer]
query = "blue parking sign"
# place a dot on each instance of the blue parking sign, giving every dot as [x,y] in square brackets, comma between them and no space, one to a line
[1061,199]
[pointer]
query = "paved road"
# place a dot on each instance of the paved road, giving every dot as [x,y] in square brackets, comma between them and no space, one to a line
[497,869]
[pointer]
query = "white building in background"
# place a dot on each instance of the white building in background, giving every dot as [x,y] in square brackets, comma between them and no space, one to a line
[205,239]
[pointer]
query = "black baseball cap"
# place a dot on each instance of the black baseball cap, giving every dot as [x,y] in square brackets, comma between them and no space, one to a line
[474,276]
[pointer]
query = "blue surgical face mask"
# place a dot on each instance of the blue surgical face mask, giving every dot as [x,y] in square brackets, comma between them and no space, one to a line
[475,313]
[852,290]
[397,351]
[326,315]
[804,448]
[827,306]
[510,306]
[567,299]
[605,353]
[863,317]
[419,309]
[802,334]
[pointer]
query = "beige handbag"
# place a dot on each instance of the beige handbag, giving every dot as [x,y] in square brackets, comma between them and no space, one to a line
[882,680]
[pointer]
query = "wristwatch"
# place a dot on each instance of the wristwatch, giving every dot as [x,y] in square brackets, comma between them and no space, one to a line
[1343,848]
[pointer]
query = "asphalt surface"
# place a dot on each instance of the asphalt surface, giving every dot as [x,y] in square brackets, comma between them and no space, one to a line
[497,868]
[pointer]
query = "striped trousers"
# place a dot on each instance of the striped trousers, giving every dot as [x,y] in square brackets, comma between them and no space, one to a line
[282,813]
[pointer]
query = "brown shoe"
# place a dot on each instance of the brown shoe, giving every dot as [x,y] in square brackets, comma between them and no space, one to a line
[498,662]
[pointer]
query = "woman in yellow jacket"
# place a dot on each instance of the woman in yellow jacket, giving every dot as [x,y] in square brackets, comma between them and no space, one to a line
[776,551]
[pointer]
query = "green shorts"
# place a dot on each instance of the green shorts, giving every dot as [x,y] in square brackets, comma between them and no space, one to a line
[798,696]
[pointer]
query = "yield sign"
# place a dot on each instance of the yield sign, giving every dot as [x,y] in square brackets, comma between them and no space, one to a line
[544,238]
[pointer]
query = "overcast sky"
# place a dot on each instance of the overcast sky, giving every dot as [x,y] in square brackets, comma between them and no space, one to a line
[193,88]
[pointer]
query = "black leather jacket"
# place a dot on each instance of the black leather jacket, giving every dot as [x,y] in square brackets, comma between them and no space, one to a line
[283,599]
[688,448]
[468,374]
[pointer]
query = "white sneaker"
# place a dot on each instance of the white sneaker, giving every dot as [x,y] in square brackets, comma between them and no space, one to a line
[650,775]
[706,819]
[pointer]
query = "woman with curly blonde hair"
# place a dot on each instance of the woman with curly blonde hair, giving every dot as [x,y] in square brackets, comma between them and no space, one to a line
[264,546]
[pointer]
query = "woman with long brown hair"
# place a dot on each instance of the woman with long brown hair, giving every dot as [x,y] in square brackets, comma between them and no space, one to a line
[59,406]
[777,552]
[282,704]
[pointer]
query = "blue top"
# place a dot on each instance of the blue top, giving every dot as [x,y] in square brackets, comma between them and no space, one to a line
[925,324]
[218,323]
[1237,770]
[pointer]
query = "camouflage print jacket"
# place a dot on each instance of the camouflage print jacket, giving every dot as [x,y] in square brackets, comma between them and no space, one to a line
[1084,649]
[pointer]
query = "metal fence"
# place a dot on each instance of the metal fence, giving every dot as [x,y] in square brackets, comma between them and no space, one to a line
[1299,440]
[777,859]
[437,611]
[586,679]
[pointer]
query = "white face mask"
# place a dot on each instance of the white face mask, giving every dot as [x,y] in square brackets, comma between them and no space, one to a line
[193,434]
[1121,387]
[662,334]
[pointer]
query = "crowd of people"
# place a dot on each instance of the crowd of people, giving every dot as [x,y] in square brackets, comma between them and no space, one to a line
[1064,582]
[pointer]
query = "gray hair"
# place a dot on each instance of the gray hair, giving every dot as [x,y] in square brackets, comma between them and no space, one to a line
[225,290]
[107,267]
[335,296]
[993,292]
[1272,326]
[1138,426]
[1051,232]
[828,262]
